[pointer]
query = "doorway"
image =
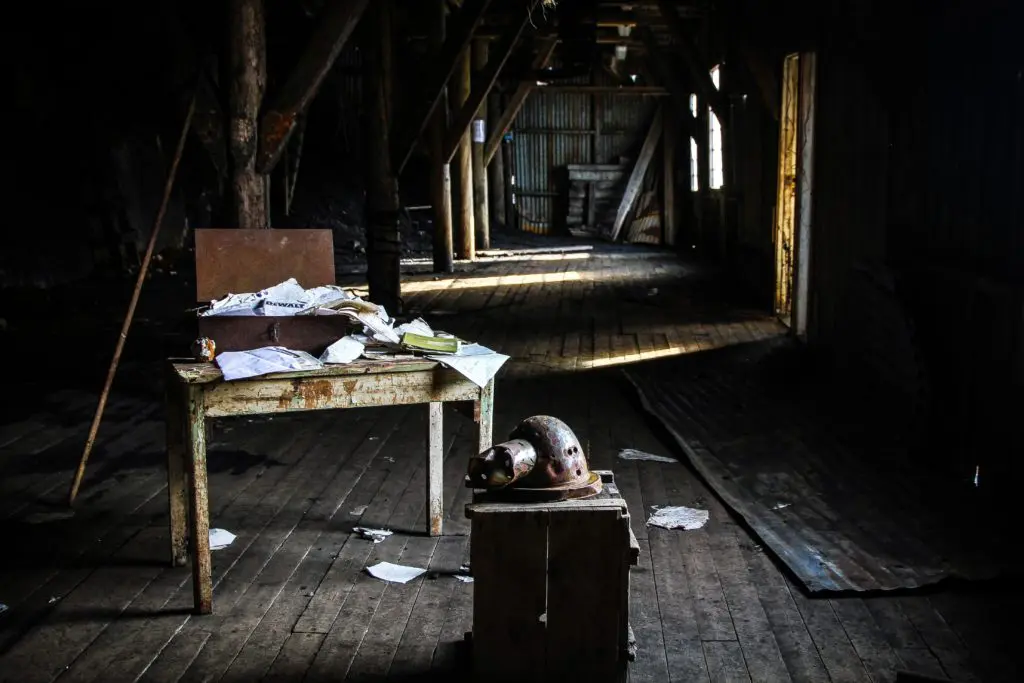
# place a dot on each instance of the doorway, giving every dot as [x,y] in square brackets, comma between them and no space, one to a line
[795,192]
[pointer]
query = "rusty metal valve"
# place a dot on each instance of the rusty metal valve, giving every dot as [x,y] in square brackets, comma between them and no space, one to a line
[542,460]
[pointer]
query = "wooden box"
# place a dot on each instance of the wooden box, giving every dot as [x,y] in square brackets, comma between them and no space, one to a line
[551,589]
[239,261]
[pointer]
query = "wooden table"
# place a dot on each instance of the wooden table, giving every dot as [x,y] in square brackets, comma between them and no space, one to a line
[197,391]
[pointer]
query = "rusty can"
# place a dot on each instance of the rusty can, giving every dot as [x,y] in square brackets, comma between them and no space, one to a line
[204,349]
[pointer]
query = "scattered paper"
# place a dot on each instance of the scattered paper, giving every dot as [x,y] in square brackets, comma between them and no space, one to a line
[633,454]
[417,326]
[220,539]
[358,511]
[345,350]
[781,506]
[394,573]
[475,362]
[244,364]
[53,599]
[463,578]
[283,299]
[679,518]
[375,535]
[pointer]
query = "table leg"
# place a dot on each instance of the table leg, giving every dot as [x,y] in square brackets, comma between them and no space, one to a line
[485,410]
[202,575]
[177,476]
[435,468]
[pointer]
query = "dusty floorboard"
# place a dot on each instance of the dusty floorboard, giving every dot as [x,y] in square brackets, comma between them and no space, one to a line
[90,597]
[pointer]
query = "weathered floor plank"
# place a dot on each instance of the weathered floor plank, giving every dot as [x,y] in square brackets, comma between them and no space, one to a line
[292,597]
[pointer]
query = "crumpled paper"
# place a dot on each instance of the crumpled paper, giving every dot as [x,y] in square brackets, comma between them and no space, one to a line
[345,350]
[255,362]
[221,538]
[474,362]
[679,518]
[633,454]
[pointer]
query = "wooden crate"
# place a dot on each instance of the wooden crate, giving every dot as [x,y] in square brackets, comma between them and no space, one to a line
[551,588]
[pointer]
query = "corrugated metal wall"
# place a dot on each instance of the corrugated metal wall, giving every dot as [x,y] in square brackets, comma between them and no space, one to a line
[554,129]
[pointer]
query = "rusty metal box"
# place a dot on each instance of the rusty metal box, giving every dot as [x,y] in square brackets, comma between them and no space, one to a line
[239,261]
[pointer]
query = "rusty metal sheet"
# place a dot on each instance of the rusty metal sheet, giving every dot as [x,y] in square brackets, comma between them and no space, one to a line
[236,261]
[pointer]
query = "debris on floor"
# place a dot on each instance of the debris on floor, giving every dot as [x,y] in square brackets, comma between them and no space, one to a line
[220,539]
[375,535]
[633,454]
[679,518]
[394,573]
[3,608]
[463,578]
[358,511]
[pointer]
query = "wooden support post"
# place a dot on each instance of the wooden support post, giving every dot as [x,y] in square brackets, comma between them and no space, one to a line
[504,122]
[486,75]
[466,240]
[443,66]
[333,28]
[247,66]
[668,176]
[636,178]
[702,135]
[435,469]
[699,71]
[383,238]
[440,170]
[481,216]
[496,170]
[663,72]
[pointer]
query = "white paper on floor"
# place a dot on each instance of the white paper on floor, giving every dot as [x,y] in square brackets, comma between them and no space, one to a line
[475,362]
[358,511]
[375,535]
[633,454]
[220,538]
[256,362]
[679,518]
[463,578]
[345,350]
[394,573]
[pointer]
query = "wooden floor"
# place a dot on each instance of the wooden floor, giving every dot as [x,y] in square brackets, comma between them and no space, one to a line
[91,597]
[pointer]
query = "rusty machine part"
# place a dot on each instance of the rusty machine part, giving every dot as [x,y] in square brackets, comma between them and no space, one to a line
[541,462]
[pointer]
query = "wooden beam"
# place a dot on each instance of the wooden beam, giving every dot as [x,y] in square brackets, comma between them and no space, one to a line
[440,172]
[504,122]
[465,242]
[482,85]
[663,73]
[481,217]
[247,64]
[496,169]
[333,28]
[384,244]
[699,72]
[636,178]
[668,189]
[460,32]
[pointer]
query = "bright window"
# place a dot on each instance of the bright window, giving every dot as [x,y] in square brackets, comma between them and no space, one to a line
[717,172]
[694,178]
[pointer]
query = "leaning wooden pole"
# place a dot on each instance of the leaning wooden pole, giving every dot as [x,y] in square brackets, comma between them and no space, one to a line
[465,213]
[440,169]
[126,325]
[384,246]
[481,215]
